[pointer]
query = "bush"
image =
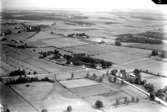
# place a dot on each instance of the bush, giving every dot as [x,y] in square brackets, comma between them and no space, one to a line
[98,104]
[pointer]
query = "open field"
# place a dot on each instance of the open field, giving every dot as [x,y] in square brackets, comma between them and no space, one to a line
[162,46]
[118,55]
[53,97]
[142,106]
[66,42]
[43,39]
[5,68]
[78,83]
[150,65]
[158,82]
[34,97]
[21,36]
[107,93]
[92,90]
[42,35]
[14,101]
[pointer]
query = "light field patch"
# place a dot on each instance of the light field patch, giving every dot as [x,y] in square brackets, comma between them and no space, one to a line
[78,83]
[63,42]
[93,90]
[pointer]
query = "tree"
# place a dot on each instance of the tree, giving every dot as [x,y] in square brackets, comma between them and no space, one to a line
[114,72]
[152,96]
[137,100]
[123,72]
[122,82]
[118,43]
[154,52]
[110,79]
[125,100]
[149,87]
[94,76]
[69,109]
[138,76]
[117,102]
[100,79]
[5,108]
[162,54]
[98,104]
[160,93]
[44,110]
[87,75]
[72,76]
[115,79]
[133,99]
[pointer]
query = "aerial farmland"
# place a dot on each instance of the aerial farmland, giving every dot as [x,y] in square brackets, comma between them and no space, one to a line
[67,61]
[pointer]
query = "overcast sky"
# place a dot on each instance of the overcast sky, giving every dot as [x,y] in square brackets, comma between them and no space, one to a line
[89,5]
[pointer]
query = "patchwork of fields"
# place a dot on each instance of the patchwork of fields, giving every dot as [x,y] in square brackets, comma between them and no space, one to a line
[107,93]
[77,91]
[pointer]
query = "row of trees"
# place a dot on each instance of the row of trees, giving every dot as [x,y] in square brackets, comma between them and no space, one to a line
[17,72]
[21,80]
[151,73]
[83,59]
[78,35]
[20,72]
[56,54]
[161,93]
[94,77]
[126,101]
[156,52]
[77,59]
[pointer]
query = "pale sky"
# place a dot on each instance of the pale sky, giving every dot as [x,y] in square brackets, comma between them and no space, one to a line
[89,5]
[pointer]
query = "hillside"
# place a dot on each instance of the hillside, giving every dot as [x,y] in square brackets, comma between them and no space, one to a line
[149,37]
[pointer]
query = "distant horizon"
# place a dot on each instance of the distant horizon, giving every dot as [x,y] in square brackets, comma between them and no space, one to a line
[81,5]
